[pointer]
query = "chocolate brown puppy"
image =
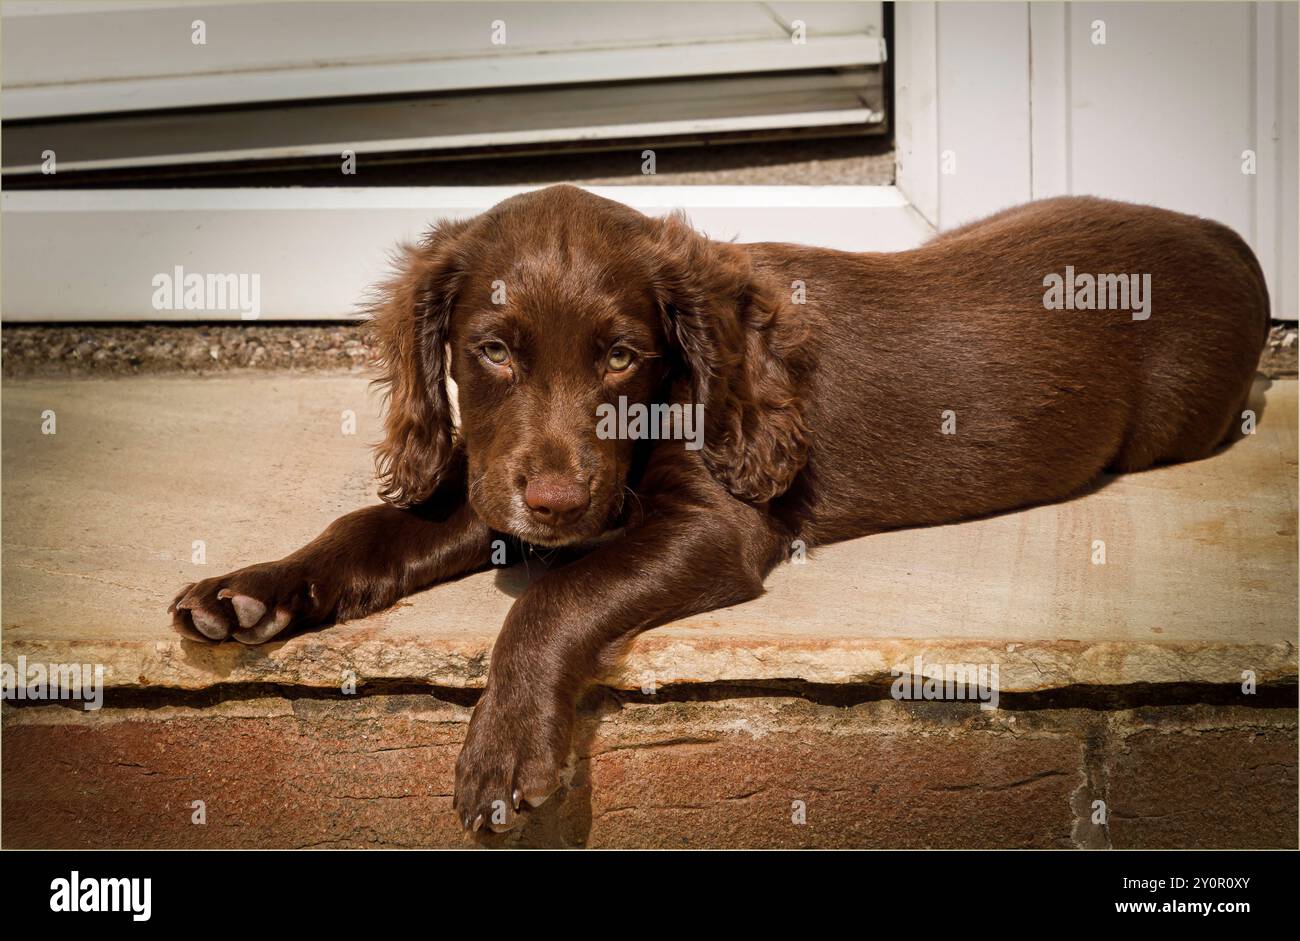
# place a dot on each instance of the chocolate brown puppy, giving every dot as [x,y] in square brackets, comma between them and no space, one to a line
[1007,363]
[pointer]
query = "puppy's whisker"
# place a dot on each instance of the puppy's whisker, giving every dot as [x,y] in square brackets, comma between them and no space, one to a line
[523,552]
[475,483]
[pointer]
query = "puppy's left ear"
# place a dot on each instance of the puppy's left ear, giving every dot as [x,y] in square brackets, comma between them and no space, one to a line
[746,352]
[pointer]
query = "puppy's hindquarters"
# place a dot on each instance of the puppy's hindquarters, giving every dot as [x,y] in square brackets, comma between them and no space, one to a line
[1197,369]
[951,384]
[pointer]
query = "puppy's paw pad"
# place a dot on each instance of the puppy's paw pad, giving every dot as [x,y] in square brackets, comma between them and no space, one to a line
[248,610]
[266,628]
[252,605]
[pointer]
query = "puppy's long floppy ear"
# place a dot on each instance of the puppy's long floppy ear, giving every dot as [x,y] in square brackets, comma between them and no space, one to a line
[409,323]
[746,353]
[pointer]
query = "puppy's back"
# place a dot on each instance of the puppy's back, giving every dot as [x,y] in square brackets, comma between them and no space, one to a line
[1044,398]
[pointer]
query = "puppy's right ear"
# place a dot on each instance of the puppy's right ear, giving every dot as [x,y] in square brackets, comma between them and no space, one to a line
[410,317]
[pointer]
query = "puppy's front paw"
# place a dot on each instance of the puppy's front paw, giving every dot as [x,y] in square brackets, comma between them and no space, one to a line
[513,756]
[251,605]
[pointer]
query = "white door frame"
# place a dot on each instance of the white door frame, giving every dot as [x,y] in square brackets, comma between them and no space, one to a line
[315,254]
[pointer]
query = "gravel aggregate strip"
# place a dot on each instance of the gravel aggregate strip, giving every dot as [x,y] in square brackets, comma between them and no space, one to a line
[153,349]
[139,349]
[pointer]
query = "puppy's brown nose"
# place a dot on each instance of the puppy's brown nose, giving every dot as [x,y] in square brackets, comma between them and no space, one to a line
[556,499]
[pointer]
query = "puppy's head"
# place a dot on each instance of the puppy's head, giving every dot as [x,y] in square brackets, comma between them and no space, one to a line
[545,308]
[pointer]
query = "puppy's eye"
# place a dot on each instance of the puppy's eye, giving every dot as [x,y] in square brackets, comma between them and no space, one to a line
[619,359]
[496,353]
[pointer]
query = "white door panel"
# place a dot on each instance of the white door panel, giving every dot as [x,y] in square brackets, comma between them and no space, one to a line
[1001,102]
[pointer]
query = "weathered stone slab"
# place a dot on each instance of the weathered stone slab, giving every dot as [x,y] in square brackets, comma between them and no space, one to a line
[100,521]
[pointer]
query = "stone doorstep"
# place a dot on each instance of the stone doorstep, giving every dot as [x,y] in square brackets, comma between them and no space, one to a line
[753,709]
[99,520]
[778,771]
